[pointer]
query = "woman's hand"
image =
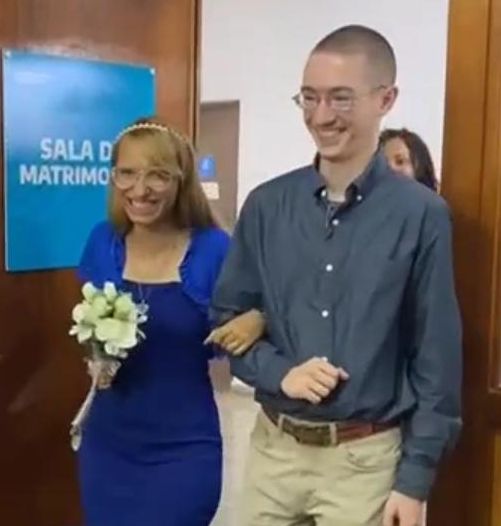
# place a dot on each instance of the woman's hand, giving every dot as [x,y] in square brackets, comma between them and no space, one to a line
[240,333]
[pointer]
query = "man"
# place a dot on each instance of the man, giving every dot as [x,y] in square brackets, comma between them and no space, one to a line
[359,374]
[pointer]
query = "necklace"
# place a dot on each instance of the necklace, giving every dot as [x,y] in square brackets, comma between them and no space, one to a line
[144,293]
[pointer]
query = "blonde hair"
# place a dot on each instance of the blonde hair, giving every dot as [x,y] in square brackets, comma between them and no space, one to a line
[166,147]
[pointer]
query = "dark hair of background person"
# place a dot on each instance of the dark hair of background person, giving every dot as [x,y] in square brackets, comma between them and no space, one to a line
[424,171]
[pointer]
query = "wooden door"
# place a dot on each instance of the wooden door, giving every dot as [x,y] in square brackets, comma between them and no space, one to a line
[41,379]
[219,126]
[219,137]
[468,492]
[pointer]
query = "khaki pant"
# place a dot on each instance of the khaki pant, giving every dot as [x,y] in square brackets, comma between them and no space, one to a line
[290,484]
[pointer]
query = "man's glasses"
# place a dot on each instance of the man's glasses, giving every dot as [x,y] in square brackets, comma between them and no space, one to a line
[342,101]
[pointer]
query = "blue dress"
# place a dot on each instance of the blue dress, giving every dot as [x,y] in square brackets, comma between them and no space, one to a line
[151,449]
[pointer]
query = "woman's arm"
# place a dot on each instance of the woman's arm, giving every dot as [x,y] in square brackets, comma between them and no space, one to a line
[239,334]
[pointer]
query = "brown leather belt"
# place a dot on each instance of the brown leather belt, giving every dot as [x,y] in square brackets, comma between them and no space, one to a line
[325,434]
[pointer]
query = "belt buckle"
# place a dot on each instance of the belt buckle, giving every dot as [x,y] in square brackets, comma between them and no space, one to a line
[321,435]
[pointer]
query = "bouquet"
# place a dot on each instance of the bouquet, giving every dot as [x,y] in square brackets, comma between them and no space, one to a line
[106,323]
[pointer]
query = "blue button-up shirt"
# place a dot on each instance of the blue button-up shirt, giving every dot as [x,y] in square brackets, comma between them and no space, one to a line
[369,285]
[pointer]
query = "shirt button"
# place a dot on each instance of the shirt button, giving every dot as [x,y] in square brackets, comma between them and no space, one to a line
[335,222]
[325,314]
[329,267]
[359,197]
[324,193]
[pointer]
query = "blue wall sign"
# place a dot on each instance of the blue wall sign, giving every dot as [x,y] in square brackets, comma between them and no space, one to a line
[61,116]
[207,167]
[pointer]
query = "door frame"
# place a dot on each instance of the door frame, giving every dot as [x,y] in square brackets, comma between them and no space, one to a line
[465,490]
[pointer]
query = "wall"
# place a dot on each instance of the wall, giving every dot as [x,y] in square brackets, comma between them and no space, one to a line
[255,52]
[42,377]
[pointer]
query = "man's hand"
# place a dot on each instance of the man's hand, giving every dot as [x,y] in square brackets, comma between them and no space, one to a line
[401,510]
[313,380]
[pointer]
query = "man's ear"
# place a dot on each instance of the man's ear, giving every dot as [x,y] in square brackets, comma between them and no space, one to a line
[388,100]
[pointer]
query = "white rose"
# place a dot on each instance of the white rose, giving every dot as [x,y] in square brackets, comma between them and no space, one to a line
[82,332]
[80,311]
[124,307]
[99,307]
[112,350]
[110,291]
[108,330]
[117,333]
[89,291]
[128,336]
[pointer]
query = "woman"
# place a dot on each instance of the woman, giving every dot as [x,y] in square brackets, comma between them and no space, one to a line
[408,154]
[151,449]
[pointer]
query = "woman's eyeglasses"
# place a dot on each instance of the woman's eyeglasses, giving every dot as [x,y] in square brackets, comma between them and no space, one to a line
[157,179]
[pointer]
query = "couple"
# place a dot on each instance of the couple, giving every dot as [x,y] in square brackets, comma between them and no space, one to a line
[339,279]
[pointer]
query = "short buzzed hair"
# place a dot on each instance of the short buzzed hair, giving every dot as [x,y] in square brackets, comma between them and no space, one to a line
[356,39]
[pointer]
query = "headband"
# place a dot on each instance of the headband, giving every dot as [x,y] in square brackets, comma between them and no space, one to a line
[150,126]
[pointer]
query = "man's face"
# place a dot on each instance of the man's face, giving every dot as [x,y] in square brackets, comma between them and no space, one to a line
[342,104]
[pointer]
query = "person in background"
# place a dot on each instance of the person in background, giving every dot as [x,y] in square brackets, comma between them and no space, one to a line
[359,372]
[408,154]
[151,450]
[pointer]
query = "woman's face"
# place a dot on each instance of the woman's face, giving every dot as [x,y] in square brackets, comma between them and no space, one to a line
[399,157]
[147,192]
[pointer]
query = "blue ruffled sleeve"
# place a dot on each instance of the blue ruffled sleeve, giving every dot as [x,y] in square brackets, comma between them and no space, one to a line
[200,271]
[103,260]
[202,264]
[102,256]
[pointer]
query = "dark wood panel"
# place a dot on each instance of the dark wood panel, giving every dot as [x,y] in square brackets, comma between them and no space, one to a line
[160,33]
[496,511]
[465,491]
[491,188]
[462,165]
[41,377]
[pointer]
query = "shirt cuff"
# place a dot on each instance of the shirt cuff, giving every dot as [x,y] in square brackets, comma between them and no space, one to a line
[414,480]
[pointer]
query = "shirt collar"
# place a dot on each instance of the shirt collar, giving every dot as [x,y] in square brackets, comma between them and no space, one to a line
[362,185]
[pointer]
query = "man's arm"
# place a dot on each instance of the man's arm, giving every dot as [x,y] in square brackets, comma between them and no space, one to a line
[435,364]
[239,289]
